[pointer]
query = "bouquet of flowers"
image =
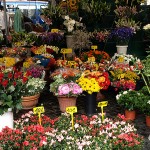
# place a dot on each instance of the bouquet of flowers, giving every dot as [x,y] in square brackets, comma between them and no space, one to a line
[93,81]
[122,35]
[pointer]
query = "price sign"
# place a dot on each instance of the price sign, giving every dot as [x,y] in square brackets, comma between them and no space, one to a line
[102,104]
[71,111]
[94,47]
[54,30]
[66,50]
[39,110]
[71,63]
[91,59]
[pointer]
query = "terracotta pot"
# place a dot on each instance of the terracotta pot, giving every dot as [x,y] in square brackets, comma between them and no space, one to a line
[66,102]
[148,121]
[130,115]
[30,102]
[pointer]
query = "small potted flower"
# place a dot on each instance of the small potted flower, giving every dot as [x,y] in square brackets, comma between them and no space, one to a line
[129,100]
[122,36]
[65,87]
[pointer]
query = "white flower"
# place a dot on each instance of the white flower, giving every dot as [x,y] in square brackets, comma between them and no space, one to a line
[67,17]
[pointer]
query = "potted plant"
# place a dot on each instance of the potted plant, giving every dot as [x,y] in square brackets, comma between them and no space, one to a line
[65,87]
[122,36]
[12,83]
[31,92]
[128,100]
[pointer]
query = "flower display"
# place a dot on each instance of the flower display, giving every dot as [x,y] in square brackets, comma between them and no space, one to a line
[11,84]
[124,71]
[93,81]
[65,82]
[122,35]
[89,133]
[100,56]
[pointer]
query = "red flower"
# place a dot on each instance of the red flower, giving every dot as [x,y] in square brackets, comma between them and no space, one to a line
[1,75]
[24,79]
[4,83]
[10,75]
[14,83]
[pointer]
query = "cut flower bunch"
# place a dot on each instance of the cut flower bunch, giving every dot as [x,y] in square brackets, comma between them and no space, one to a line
[89,133]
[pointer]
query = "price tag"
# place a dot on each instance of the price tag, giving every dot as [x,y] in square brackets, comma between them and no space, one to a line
[94,47]
[54,30]
[39,110]
[66,50]
[102,104]
[71,63]
[71,111]
[91,59]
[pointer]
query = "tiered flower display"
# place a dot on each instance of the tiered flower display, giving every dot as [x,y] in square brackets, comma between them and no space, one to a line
[89,133]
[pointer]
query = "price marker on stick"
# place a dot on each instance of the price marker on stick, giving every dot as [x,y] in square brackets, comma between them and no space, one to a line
[39,110]
[66,51]
[102,104]
[94,47]
[54,30]
[71,111]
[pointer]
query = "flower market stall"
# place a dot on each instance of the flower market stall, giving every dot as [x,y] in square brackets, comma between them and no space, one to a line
[52,87]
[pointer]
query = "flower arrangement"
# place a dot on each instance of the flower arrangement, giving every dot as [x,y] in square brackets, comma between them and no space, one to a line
[124,71]
[129,99]
[100,56]
[122,35]
[93,81]
[65,82]
[11,84]
[69,24]
[89,133]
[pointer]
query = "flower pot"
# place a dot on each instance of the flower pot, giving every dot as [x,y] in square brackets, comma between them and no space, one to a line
[148,121]
[66,102]
[90,104]
[7,119]
[30,102]
[130,115]
[122,49]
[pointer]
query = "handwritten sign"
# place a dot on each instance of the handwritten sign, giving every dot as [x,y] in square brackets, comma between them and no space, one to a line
[102,104]
[54,30]
[94,47]
[39,110]
[66,50]
[91,59]
[71,111]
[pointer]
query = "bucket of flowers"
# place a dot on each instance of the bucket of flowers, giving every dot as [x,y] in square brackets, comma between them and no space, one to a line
[91,83]
[65,87]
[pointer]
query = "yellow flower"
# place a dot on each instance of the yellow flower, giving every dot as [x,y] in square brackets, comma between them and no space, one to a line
[121,59]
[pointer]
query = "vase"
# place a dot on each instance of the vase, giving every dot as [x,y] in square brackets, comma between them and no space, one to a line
[122,49]
[70,43]
[148,121]
[90,104]
[7,119]
[29,102]
[65,102]
[130,115]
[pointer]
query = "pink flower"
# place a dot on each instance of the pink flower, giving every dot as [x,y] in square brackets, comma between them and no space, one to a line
[63,89]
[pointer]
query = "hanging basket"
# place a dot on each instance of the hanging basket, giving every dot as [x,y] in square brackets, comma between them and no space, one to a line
[30,102]
[66,102]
